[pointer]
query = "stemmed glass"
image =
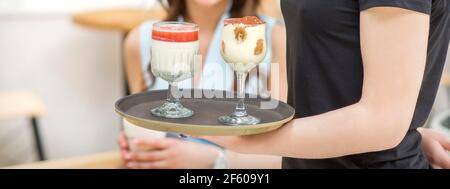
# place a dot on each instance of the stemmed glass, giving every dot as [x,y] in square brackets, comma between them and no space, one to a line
[243,47]
[173,58]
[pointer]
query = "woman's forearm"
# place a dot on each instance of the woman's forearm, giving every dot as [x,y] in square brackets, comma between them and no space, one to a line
[350,130]
[252,161]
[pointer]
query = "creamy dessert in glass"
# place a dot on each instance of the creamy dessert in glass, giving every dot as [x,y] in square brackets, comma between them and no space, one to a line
[243,47]
[173,58]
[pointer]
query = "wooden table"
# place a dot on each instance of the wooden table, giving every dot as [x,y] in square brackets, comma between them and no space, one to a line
[122,20]
[104,160]
[126,19]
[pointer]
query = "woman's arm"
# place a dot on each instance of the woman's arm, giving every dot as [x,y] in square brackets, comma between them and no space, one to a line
[394,46]
[173,153]
[133,62]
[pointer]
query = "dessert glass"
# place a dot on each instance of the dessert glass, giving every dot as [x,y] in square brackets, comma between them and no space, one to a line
[133,132]
[243,47]
[173,58]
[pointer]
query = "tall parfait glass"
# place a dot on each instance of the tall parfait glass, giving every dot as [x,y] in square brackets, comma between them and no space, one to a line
[243,47]
[173,58]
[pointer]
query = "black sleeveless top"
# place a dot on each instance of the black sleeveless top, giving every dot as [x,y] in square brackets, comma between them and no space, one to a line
[325,70]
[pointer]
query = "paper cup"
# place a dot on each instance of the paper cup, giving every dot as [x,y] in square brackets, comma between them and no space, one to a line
[135,132]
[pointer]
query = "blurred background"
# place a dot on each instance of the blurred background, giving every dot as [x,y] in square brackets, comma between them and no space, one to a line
[61,72]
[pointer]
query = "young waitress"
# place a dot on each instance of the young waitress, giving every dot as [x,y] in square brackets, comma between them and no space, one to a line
[362,77]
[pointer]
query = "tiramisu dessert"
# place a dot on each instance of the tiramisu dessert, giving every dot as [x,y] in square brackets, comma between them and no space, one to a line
[243,47]
[243,42]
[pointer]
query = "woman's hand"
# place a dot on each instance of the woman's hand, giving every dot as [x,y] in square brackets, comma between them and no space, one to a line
[436,147]
[168,154]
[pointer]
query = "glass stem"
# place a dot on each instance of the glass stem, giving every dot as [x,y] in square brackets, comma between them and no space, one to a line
[170,97]
[240,106]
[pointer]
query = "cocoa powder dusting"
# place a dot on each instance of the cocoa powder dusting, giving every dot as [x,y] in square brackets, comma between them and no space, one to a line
[248,21]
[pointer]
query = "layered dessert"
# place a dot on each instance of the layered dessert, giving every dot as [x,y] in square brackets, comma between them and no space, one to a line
[243,42]
[173,58]
[243,47]
[174,50]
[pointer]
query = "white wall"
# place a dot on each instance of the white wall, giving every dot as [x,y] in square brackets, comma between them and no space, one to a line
[75,70]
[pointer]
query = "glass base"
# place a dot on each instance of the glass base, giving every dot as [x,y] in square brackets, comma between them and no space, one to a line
[239,120]
[172,110]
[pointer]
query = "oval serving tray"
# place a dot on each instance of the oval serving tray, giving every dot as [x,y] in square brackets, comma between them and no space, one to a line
[136,109]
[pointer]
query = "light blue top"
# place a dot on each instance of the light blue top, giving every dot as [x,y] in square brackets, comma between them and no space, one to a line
[216,73]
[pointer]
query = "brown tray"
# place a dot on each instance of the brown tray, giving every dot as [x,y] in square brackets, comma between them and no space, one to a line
[136,109]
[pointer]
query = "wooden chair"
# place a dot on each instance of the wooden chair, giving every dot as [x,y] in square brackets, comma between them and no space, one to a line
[123,20]
[24,104]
